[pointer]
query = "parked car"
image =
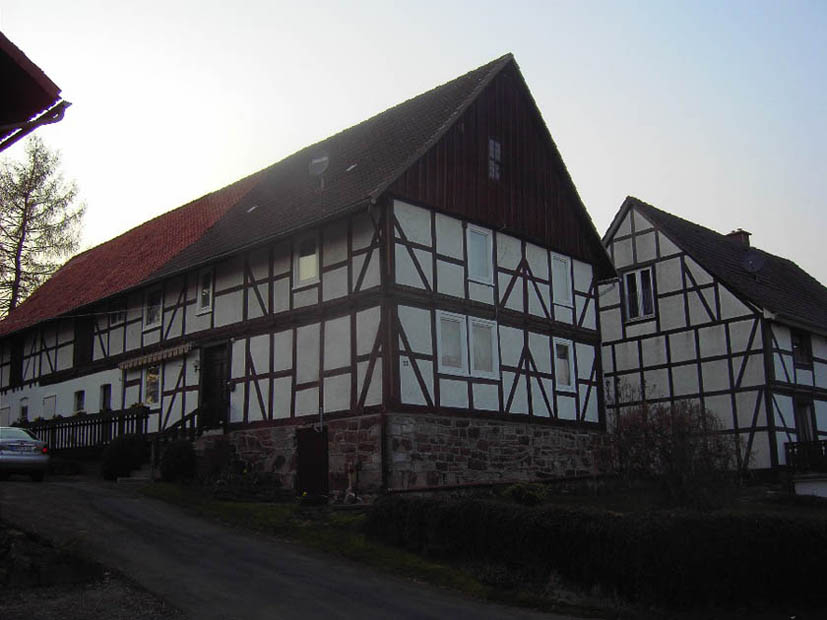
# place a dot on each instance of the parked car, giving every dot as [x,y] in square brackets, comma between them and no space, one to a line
[22,453]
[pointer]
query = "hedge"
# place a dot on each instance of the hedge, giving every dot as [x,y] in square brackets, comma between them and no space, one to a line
[674,558]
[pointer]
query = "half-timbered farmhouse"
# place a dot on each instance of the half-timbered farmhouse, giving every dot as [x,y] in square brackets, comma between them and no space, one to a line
[703,316]
[409,303]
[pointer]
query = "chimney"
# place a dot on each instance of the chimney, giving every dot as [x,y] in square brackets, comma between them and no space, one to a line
[741,236]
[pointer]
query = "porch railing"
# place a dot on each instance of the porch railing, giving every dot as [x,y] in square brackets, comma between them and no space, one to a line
[807,456]
[92,430]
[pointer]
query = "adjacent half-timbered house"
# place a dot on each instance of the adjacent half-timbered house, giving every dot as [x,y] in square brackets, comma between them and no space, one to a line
[704,316]
[409,303]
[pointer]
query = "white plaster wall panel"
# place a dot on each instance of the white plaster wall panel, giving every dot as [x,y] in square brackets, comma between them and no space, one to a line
[607,359]
[260,353]
[700,275]
[745,409]
[334,284]
[685,380]
[191,376]
[282,350]
[519,403]
[282,397]
[64,358]
[645,247]
[511,345]
[453,393]
[818,344]
[671,312]
[374,395]
[307,401]
[281,295]
[564,314]
[227,308]
[783,411]
[229,273]
[626,356]
[196,321]
[625,226]
[415,222]
[282,259]
[537,259]
[739,333]
[372,276]
[782,368]
[682,346]
[654,351]
[416,324]
[64,393]
[367,323]
[509,251]
[308,296]
[656,383]
[669,276]
[535,306]
[483,293]
[238,358]
[623,253]
[307,353]
[406,273]
[760,457]
[820,408]
[667,248]
[566,407]
[609,293]
[98,346]
[254,309]
[640,222]
[450,279]
[486,397]
[589,319]
[259,263]
[720,406]
[585,360]
[152,336]
[409,385]
[715,375]
[449,236]
[174,323]
[783,340]
[334,243]
[582,276]
[538,402]
[641,328]
[337,393]
[610,325]
[712,340]
[753,371]
[697,313]
[731,306]
[820,374]
[803,376]
[256,410]
[170,371]
[362,231]
[540,349]
[337,343]
[236,413]
[514,301]
[589,410]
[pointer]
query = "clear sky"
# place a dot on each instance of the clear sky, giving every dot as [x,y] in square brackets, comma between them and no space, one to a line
[713,111]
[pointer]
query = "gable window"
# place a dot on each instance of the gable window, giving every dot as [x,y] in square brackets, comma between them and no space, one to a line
[451,341]
[205,292]
[494,159]
[480,250]
[306,262]
[484,355]
[80,401]
[561,280]
[640,295]
[106,397]
[152,308]
[563,365]
[152,385]
[802,353]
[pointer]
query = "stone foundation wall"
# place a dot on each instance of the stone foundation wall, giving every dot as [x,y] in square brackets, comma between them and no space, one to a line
[432,450]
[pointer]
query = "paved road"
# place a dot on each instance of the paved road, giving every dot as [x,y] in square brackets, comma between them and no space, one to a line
[211,571]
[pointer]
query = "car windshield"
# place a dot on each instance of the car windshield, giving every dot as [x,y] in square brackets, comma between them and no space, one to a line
[15,433]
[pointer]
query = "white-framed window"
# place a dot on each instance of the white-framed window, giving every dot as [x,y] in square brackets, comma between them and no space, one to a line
[640,294]
[563,365]
[153,306]
[117,312]
[483,346]
[24,408]
[49,406]
[494,159]
[152,385]
[452,343]
[205,291]
[480,249]
[306,261]
[561,280]
[80,401]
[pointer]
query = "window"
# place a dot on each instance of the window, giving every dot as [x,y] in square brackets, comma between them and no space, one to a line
[16,369]
[80,401]
[561,279]
[205,292]
[152,385]
[49,406]
[640,296]
[106,397]
[804,419]
[484,354]
[480,249]
[494,159]
[24,408]
[452,343]
[84,340]
[563,365]
[117,313]
[306,262]
[802,353]
[152,308]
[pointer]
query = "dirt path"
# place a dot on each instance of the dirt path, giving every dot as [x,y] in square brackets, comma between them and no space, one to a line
[211,571]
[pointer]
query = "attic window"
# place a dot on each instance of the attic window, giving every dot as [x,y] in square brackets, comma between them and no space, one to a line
[802,353]
[152,308]
[494,159]
[306,262]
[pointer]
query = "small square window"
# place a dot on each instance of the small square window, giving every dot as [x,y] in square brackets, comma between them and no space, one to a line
[484,351]
[205,291]
[563,365]
[494,159]
[452,343]
[306,262]
[480,251]
[152,385]
[152,308]
[640,295]
[802,351]
[561,280]
[80,401]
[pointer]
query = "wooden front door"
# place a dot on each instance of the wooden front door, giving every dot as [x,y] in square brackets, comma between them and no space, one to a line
[311,461]
[214,377]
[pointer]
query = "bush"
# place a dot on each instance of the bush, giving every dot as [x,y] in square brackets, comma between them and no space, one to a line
[670,558]
[178,461]
[525,493]
[123,455]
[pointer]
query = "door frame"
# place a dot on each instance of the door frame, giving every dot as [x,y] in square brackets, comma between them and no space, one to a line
[223,418]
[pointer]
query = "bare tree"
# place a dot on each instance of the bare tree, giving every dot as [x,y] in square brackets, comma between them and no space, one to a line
[39,222]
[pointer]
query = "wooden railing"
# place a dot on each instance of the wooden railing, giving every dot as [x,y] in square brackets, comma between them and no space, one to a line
[185,428]
[92,430]
[806,456]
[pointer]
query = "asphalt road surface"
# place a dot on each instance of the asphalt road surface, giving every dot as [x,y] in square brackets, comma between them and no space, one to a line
[210,571]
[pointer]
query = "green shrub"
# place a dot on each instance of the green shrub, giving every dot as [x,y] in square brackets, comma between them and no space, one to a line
[525,493]
[680,559]
[123,455]
[178,461]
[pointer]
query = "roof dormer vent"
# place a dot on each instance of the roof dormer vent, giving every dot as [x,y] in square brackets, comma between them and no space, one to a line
[741,236]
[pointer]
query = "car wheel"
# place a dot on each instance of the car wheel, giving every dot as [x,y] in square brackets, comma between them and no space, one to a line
[38,476]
